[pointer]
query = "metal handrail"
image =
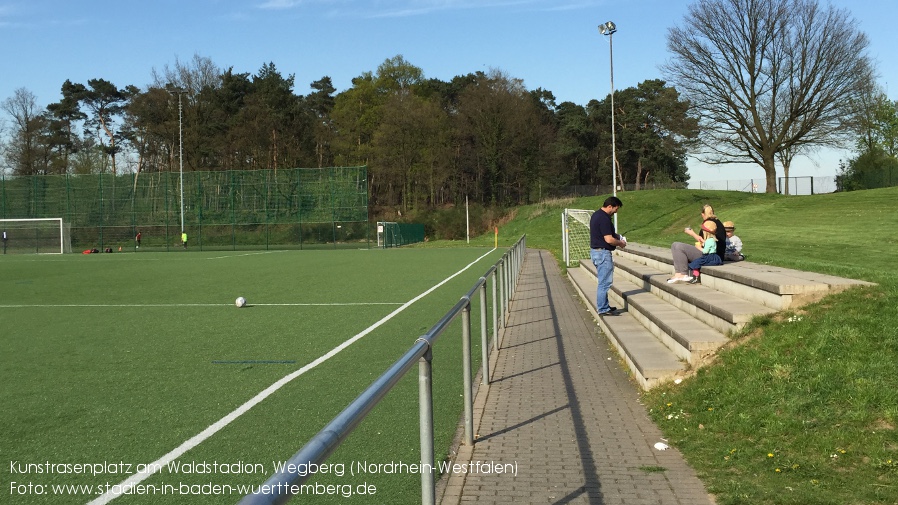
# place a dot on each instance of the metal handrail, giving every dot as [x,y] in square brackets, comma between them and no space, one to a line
[281,487]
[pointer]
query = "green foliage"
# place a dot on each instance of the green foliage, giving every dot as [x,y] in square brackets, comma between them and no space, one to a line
[869,170]
[428,143]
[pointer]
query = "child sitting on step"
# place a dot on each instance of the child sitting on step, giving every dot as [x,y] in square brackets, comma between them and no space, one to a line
[709,255]
[734,243]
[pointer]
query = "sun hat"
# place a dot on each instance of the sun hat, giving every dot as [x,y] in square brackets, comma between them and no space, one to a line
[729,226]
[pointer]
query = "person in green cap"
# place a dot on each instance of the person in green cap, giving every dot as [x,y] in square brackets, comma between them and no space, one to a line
[184,239]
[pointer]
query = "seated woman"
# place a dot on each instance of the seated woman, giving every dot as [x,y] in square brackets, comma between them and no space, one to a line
[709,255]
[683,254]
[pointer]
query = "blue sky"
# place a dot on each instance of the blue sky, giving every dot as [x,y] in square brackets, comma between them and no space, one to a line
[552,44]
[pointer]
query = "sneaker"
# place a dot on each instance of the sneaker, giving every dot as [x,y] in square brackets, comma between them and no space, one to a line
[673,280]
[612,312]
[695,280]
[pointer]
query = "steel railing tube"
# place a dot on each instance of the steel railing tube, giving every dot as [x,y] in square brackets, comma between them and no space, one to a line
[484,336]
[502,292]
[284,484]
[425,414]
[280,487]
[495,313]
[466,368]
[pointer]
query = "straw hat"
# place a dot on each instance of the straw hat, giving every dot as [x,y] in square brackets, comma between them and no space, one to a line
[729,226]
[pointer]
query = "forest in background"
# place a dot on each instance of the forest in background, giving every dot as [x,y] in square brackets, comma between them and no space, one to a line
[427,143]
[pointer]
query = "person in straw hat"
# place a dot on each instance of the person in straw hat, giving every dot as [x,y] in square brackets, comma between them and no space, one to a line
[734,243]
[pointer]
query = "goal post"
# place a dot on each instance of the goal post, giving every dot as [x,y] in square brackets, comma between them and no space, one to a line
[49,235]
[575,235]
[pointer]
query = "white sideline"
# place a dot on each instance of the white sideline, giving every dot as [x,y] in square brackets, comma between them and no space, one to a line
[133,480]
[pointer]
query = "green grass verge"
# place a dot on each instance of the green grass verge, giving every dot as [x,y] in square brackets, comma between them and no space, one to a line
[803,409]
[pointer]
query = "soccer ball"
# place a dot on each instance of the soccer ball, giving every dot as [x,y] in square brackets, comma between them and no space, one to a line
[240,302]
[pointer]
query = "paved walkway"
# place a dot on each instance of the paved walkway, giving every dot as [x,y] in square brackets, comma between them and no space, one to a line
[562,410]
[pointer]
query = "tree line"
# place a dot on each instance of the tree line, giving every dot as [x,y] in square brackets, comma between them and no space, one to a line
[758,81]
[427,142]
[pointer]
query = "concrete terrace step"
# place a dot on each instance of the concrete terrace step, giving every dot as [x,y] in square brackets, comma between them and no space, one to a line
[722,311]
[776,287]
[688,338]
[647,357]
[680,330]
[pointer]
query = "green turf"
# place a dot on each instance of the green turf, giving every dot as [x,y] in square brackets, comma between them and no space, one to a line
[112,358]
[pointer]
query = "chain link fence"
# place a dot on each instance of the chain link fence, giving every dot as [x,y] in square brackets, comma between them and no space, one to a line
[294,208]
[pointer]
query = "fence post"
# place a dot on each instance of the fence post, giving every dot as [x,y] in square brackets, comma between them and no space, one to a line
[466,369]
[495,312]
[425,415]
[502,292]
[484,338]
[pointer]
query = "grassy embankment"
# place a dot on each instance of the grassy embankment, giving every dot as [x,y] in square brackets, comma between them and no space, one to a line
[802,407]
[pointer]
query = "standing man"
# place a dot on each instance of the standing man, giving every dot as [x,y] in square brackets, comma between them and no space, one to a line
[602,241]
[4,241]
[137,239]
[184,239]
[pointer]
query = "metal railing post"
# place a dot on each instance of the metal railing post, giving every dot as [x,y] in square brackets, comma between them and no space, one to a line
[495,312]
[507,276]
[466,367]
[502,276]
[425,414]
[484,337]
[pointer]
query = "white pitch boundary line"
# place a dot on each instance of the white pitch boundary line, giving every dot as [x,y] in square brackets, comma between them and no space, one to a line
[246,254]
[194,441]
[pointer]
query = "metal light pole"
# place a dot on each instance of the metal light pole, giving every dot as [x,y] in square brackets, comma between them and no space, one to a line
[180,91]
[608,29]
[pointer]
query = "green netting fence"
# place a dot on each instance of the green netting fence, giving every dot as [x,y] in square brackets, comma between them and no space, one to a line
[223,210]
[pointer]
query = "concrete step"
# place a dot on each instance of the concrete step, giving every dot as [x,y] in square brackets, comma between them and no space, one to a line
[650,361]
[687,336]
[775,287]
[723,312]
[689,339]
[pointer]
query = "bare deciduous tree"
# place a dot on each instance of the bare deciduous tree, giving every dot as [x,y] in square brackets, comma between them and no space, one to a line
[768,77]
[23,151]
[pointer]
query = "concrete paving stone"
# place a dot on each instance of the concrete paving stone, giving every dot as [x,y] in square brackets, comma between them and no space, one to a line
[562,408]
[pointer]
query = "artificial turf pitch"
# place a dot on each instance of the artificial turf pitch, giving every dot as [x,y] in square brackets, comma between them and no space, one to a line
[112,361]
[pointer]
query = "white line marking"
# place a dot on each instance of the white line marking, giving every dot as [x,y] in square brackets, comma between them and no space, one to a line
[162,462]
[246,254]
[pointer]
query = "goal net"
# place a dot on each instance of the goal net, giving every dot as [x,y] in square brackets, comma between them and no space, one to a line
[575,235]
[387,232]
[36,236]
[392,234]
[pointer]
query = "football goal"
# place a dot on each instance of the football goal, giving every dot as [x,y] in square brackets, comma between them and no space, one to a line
[36,236]
[391,234]
[575,235]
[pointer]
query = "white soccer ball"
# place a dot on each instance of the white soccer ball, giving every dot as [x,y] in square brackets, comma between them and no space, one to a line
[240,302]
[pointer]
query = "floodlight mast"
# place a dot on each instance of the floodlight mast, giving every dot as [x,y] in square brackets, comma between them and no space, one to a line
[608,28]
[179,92]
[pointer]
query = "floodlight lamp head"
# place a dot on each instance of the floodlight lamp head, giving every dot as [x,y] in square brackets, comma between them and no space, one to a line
[607,28]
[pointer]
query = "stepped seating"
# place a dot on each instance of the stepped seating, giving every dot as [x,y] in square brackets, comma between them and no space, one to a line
[666,329]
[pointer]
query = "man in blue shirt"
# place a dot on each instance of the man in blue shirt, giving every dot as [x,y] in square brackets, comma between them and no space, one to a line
[602,241]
